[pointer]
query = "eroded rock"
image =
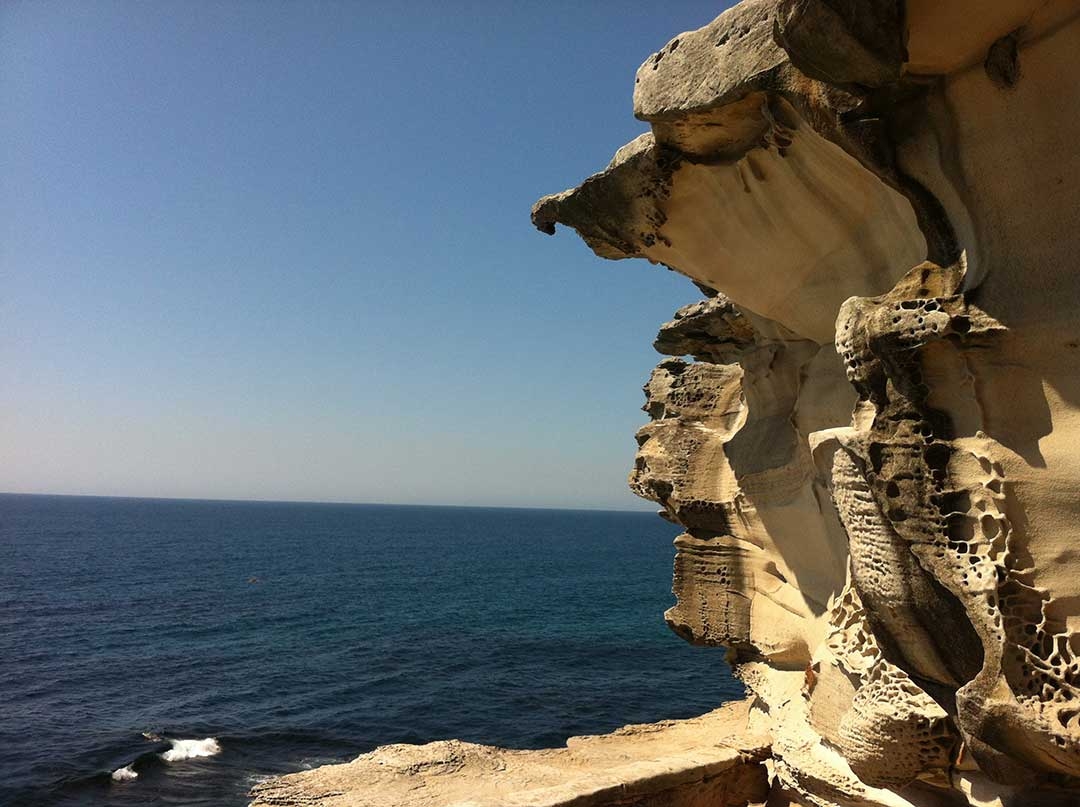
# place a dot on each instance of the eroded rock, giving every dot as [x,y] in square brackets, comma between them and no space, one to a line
[868,433]
[710,761]
[884,196]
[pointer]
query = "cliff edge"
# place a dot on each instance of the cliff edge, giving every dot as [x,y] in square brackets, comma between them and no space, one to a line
[869,428]
[874,449]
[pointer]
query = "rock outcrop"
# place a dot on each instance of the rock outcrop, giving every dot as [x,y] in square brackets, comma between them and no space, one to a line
[874,446]
[869,430]
[708,761]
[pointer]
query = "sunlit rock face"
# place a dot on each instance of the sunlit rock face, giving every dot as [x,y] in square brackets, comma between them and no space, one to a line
[674,763]
[870,429]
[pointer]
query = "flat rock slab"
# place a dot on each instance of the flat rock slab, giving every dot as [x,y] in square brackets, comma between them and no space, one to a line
[710,760]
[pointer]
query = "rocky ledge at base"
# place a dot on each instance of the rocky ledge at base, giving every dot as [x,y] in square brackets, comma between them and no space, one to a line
[869,429]
[715,760]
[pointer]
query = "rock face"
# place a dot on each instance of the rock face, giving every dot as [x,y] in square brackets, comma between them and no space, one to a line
[870,430]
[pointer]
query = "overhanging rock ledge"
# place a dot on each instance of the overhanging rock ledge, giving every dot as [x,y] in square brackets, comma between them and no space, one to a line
[869,429]
[875,450]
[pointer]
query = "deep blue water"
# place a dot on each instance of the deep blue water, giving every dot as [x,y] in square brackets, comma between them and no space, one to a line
[299,634]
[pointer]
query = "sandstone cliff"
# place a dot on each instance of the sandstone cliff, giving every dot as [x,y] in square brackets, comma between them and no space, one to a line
[869,429]
[875,450]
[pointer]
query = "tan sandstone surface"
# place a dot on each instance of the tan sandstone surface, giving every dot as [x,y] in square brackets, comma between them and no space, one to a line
[710,761]
[869,429]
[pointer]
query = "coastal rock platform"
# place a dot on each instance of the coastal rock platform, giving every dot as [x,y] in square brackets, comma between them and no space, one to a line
[715,760]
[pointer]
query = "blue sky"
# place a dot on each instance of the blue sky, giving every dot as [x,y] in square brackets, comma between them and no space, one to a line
[283,251]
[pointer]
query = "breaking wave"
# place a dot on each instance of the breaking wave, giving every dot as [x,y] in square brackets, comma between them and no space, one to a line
[124,774]
[191,749]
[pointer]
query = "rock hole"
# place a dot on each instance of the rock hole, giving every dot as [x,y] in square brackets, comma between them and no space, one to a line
[1002,63]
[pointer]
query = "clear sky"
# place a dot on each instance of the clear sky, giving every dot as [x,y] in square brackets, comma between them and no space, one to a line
[282,250]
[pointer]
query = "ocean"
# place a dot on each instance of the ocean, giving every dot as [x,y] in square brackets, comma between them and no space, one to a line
[247,639]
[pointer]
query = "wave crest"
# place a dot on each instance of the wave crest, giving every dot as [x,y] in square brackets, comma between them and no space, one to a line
[124,774]
[191,749]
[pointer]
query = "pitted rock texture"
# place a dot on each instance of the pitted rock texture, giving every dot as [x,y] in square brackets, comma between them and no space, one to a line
[870,430]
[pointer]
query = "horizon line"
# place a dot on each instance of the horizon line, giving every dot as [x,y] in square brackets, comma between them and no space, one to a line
[322,502]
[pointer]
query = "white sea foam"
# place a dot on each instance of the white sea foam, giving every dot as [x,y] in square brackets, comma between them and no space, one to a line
[190,749]
[124,774]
